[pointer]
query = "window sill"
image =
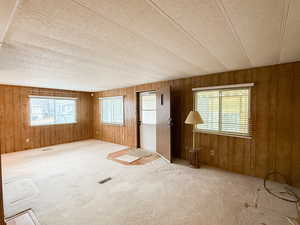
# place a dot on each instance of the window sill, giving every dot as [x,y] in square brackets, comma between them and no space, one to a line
[113,124]
[223,134]
[57,124]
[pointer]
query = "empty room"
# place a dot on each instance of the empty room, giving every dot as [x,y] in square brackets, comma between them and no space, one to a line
[150,112]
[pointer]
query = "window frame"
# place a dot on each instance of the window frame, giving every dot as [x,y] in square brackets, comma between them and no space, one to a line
[52,97]
[101,111]
[248,87]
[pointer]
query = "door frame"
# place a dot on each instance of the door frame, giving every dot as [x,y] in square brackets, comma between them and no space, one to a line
[2,221]
[138,115]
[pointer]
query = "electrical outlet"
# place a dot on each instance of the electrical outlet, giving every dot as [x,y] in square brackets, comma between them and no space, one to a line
[27,140]
[212,152]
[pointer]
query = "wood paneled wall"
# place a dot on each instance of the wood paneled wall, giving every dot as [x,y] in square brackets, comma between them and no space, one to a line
[14,118]
[275,113]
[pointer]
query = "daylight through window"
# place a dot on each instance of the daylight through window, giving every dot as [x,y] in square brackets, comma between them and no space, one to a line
[148,108]
[224,111]
[112,110]
[52,110]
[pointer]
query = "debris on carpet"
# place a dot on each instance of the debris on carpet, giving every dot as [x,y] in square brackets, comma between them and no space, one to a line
[105,180]
[128,158]
[26,217]
[279,192]
[133,157]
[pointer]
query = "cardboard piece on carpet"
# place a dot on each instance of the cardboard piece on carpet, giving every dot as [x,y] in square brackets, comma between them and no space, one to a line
[128,158]
[24,218]
[141,161]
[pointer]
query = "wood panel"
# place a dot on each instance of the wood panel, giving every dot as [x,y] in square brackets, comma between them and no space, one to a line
[14,117]
[2,222]
[275,110]
[295,156]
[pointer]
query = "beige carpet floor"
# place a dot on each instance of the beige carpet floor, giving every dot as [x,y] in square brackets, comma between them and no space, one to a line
[61,186]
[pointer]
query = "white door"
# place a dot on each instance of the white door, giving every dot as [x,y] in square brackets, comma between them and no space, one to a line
[148,121]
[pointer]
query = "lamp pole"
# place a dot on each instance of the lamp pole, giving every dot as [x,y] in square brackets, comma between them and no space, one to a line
[193,138]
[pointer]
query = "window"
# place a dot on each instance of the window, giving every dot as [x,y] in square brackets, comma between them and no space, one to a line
[112,110]
[225,111]
[148,108]
[52,110]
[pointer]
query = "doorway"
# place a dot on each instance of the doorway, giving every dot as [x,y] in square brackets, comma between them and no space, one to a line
[147,120]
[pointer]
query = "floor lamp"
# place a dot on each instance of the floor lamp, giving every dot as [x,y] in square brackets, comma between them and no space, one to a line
[193,118]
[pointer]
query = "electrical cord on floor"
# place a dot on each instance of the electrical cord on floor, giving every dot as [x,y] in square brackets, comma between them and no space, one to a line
[288,190]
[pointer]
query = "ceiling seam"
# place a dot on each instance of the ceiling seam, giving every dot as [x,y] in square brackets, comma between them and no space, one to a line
[11,17]
[138,35]
[178,26]
[223,10]
[285,16]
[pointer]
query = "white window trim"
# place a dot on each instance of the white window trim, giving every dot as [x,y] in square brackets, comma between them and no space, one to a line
[231,86]
[101,118]
[248,86]
[51,97]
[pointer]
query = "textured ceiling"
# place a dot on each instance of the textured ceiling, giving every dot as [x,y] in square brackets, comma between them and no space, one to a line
[93,45]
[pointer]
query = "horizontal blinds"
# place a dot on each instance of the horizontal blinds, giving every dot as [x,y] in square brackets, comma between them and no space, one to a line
[112,110]
[106,111]
[235,111]
[48,111]
[117,110]
[113,97]
[224,110]
[208,105]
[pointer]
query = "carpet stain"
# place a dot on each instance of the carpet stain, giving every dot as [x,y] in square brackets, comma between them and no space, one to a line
[19,190]
[105,180]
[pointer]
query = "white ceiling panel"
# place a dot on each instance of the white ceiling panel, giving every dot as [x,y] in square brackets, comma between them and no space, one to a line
[207,23]
[44,68]
[7,10]
[92,45]
[259,26]
[84,28]
[291,41]
[100,58]
[143,19]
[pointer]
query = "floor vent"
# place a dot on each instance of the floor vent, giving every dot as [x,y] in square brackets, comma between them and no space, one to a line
[105,180]
[47,149]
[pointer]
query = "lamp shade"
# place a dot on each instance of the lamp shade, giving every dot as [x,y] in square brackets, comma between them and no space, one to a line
[193,118]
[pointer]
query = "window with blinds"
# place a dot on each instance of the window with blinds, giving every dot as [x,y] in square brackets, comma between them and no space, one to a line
[52,110]
[112,110]
[225,111]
